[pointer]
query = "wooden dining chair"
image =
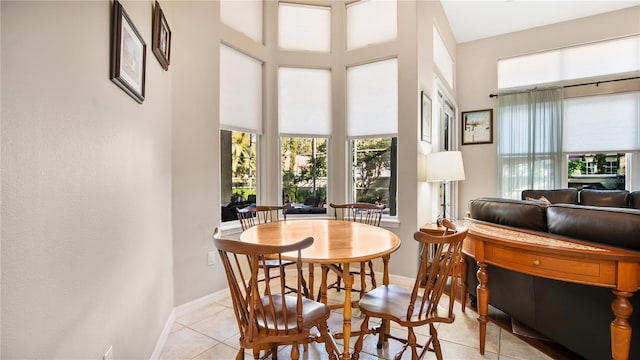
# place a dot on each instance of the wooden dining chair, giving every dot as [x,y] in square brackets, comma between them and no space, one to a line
[266,316]
[254,215]
[365,213]
[420,305]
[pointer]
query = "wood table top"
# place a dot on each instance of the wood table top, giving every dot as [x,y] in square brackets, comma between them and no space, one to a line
[335,241]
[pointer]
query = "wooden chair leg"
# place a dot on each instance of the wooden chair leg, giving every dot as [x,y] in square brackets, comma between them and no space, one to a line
[363,279]
[240,354]
[329,343]
[364,329]
[436,343]
[412,341]
[295,352]
[373,275]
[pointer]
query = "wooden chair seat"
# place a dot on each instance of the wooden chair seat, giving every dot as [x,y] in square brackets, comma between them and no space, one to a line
[392,301]
[312,313]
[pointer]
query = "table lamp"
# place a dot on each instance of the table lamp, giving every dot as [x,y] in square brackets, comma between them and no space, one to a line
[444,166]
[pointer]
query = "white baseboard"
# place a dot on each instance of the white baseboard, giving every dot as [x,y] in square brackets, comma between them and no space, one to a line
[164,335]
[176,312]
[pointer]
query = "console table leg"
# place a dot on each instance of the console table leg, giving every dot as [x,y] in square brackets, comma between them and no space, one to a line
[483,302]
[620,328]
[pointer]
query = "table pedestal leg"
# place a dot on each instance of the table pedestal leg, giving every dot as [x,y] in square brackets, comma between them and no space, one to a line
[483,302]
[346,326]
[620,328]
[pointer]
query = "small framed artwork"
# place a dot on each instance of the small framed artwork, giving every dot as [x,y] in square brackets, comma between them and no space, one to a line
[477,127]
[128,54]
[425,110]
[161,37]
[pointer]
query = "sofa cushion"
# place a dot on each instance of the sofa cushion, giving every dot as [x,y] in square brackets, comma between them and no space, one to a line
[563,196]
[635,199]
[609,198]
[524,214]
[607,226]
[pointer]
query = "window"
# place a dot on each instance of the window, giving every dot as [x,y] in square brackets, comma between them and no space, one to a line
[598,151]
[615,56]
[597,171]
[241,123]
[238,172]
[375,171]
[244,16]
[372,127]
[304,27]
[371,22]
[304,120]
[304,168]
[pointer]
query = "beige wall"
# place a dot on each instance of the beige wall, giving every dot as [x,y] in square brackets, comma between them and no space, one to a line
[477,78]
[86,187]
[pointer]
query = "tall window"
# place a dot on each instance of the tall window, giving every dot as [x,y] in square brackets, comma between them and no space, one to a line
[304,118]
[601,133]
[372,126]
[304,168]
[241,123]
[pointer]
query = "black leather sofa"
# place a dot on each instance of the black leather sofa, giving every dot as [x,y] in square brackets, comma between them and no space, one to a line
[573,315]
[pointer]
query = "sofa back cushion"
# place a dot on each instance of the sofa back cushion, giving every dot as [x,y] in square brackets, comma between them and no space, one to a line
[557,196]
[530,215]
[610,198]
[615,227]
[635,199]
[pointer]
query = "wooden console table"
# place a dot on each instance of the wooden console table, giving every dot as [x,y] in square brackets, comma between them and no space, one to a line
[549,257]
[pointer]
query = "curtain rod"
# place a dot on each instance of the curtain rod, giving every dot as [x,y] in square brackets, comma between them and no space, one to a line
[596,83]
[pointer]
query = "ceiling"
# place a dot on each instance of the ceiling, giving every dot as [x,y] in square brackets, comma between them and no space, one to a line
[477,19]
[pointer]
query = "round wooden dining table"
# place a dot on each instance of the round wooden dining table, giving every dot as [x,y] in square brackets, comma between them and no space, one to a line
[335,242]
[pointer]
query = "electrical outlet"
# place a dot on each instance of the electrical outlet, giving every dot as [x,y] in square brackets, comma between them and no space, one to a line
[211,258]
[109,354]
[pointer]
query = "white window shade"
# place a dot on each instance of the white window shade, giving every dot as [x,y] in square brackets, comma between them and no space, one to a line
[371,22]
[442,58]
[603,123]
[244,16]
[304,27]
[372,99]
[304,101]
[240,91]
[615,56]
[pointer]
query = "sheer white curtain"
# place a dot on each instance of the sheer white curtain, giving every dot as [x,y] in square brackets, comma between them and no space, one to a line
[530,141]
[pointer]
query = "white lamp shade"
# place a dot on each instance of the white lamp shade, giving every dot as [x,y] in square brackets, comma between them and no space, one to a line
[445,166]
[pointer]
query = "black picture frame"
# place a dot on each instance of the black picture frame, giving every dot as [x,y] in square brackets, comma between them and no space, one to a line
[425,116]
[477,127]
[128,54]
[161,37]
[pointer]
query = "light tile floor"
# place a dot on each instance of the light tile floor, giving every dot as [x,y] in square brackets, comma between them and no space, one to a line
[209,331]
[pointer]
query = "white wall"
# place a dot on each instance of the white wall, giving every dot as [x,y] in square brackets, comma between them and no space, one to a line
[86,187]
[196,195]
[477,78]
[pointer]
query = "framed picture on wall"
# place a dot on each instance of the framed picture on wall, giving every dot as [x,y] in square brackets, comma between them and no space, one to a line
[128,54]
[425,110]
[477,127]
[161,37]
